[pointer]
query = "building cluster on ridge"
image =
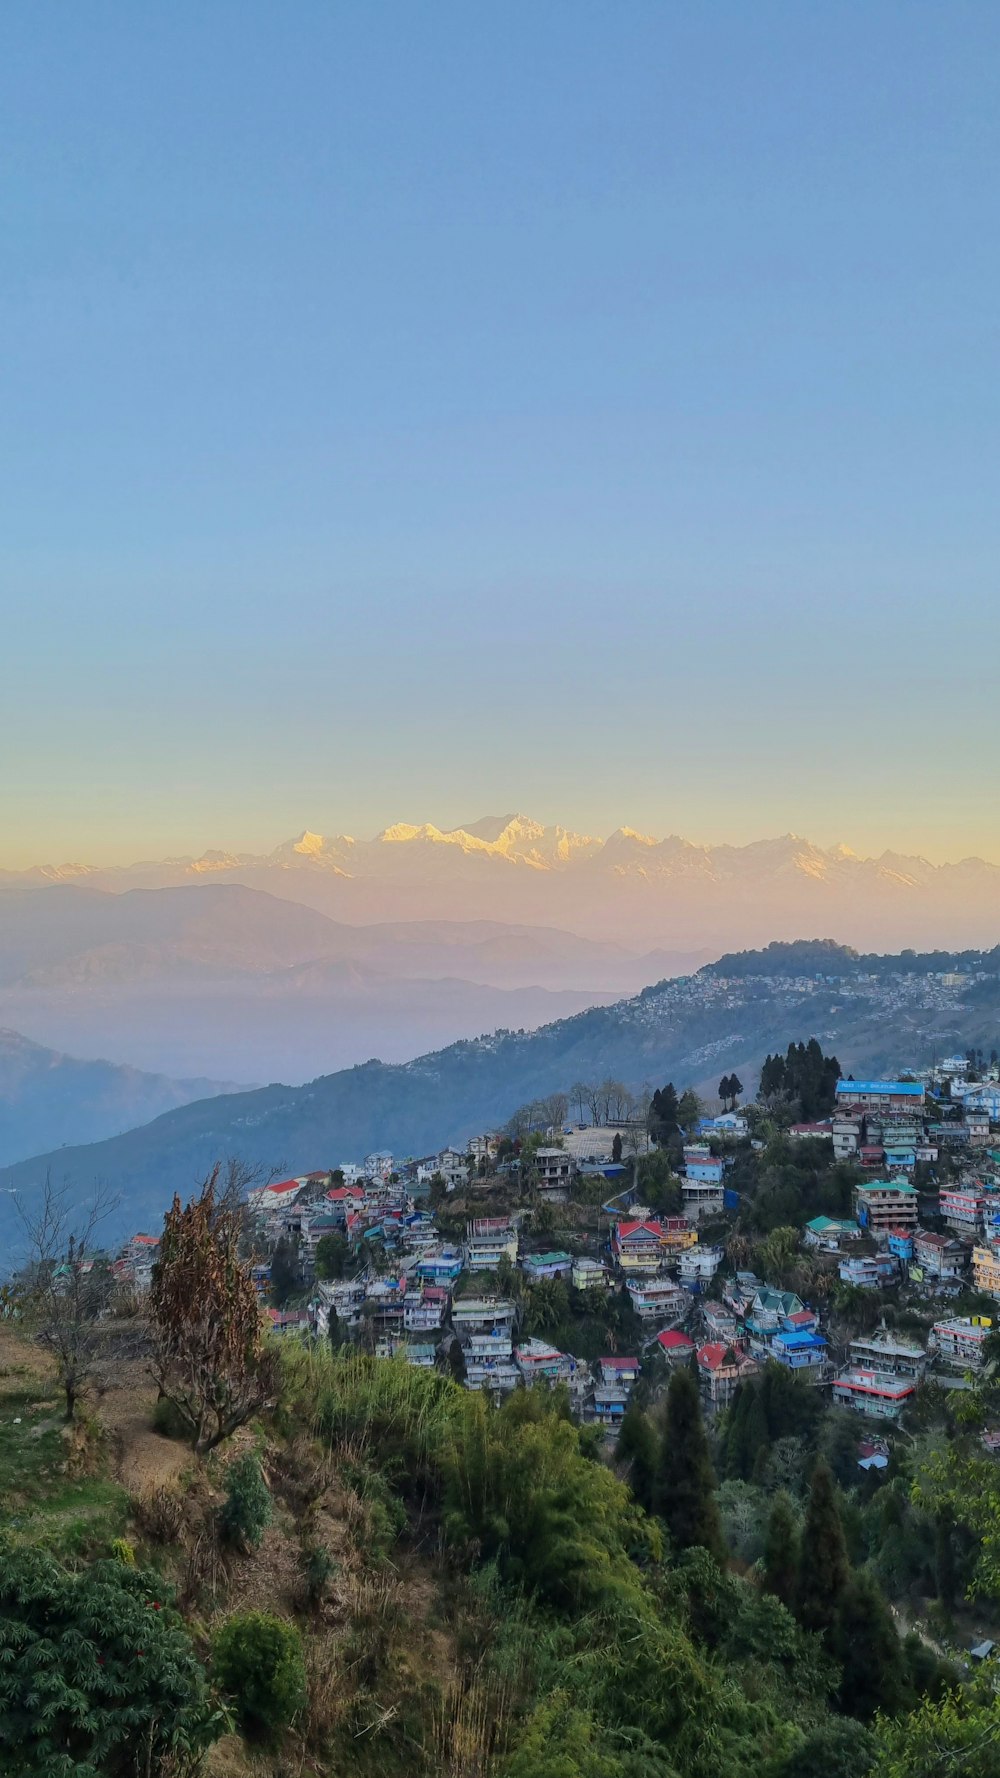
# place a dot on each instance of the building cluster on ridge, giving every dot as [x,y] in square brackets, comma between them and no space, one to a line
[415,1294]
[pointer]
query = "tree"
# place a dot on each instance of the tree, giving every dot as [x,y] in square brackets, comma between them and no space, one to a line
[66,1286]
[685,1494]
[735,1088]
[638,1449]
[663,1109]
[824,1571]
[209,1354]
[781,1551]
[725,1088]
[865,1642]
[616,1148]
[689,1109]
[332,1254]
[97,1672]
[284,1271]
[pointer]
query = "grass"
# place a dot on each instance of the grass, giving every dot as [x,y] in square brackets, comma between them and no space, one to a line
[47,1498]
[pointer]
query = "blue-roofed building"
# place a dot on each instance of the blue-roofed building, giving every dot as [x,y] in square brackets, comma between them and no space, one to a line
[799,1351]
[881,1095]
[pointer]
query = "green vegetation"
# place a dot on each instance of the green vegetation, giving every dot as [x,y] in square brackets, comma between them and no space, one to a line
[246,1512]
[98,1676]
[257,1660]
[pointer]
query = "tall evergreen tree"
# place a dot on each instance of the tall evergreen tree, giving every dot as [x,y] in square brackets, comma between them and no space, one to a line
[685,1494]
[824,1570]
[781,1551]
[864,1640]
[638,1448]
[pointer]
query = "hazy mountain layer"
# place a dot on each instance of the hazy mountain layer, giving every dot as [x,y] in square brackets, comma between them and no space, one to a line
[629,888]
[691,1031]
[229,981]
[48,1099]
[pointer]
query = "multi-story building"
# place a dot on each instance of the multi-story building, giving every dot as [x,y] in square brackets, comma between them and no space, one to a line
[638,1246]
[555,1172]
[699,1265]
[800,1352]
[939,1257]
[423,1310]
[961,1340]
[677,1235]
[882,1394]
[555,1264]
[880,1206]
[869,1271]
[906,1096]
[657,1299]
[703,1197]
[882,1351]
[722,1369]
[900,1244]
[590,1274]
[986,1269]
[848,1135]
[720,1322]
[536,1358]
[962,1206]
[482,1314]
[621,1371]
[488,1240]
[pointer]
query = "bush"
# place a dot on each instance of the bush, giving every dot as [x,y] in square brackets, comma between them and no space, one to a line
[318,1566]
[167,1419]
[246,1513]
[123,1551]
[258,1661]
[159,1514]
[93,1668]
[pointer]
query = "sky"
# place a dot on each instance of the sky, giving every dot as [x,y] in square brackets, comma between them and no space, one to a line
[412,413]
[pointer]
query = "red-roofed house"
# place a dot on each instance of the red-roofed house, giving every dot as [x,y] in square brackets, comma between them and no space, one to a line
[638,1246]
[674,1345]
[722,1369]
[624,1371]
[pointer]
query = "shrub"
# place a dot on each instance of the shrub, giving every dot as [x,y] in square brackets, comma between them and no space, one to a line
[95,1667]
[258,1661]
[123,1551]
[318,1566]
[159,1514]
[167,1419]
[246,1513]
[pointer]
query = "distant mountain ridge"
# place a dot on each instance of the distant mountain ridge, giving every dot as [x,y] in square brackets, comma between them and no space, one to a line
[690,1030]
[628,888]
[49,1099]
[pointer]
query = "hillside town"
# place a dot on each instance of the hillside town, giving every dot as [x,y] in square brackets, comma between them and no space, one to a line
[467,1258]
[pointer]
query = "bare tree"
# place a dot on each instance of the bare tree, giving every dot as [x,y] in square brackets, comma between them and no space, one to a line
[210,1357]
[66,1284]
[580,1097]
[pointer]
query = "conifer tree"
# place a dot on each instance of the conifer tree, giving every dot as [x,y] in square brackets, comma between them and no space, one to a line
[864,1640]
[736,1455]
[824,1570]
[781,1551]
[686,1483]
[637,1447]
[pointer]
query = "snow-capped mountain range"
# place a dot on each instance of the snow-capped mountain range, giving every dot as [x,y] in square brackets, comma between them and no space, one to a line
[629,888]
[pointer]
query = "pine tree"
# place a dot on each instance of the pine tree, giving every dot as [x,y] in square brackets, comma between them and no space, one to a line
[944,1559]
[637,1447]
[824,1571]
[736,1454]
[864,1640]
[616,1148]
[685,1494]
[781,1551]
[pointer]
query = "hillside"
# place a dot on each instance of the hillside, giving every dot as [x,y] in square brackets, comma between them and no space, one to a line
[689,1030]
[48,1099]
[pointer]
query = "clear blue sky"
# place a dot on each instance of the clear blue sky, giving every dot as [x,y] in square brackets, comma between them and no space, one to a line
[414,412]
